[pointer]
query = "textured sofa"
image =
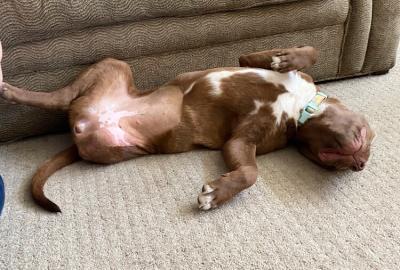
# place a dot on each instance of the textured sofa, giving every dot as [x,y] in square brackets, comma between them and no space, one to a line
[46,43]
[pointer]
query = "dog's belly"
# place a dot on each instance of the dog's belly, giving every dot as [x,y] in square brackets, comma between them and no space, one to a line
[113,128]
[111,141]
[106,129]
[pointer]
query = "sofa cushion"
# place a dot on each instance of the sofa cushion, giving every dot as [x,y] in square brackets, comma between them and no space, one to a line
[30,20]
[384,36]
[163,35]
[357,34]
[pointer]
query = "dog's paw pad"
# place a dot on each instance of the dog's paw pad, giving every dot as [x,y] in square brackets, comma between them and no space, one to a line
[206,198]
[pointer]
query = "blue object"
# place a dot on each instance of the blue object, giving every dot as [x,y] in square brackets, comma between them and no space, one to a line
[312,107]
[2,194]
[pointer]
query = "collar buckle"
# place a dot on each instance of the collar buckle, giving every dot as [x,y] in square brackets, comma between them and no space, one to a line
[312,107]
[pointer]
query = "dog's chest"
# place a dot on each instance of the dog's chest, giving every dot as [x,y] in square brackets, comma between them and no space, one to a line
[264,100]
[285,93]
[298,93]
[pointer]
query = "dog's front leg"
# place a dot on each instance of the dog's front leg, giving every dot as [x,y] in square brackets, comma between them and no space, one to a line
[240,157]
[281,60]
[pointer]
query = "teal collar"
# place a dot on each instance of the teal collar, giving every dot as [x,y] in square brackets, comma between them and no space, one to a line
[312,107]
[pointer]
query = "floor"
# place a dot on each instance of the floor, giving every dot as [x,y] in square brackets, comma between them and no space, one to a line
[142,214]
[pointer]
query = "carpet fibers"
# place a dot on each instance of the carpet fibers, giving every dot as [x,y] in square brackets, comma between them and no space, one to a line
[142,214]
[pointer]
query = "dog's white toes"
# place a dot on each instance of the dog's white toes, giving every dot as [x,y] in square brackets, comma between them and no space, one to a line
[2,90]
[205,198]
[4,94]
[207,189]
[275,62]
[276,59]
[275,66]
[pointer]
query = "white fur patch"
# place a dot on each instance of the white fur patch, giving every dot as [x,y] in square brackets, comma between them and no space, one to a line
[276,59]
[215,80]
[257,104]
[216,77]
[206,197]
[118,135]
[187,91]
[285,103]
[109,119]
[300,91]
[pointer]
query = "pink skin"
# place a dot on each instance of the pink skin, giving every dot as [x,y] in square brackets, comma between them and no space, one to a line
[350,152]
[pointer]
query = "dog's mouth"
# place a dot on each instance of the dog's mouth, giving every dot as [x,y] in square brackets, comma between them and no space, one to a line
[353,155]
[340,161]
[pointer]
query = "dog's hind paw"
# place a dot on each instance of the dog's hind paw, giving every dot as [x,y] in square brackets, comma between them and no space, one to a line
[6,92]
[206,198]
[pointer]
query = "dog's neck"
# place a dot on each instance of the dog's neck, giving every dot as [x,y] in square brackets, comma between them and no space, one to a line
[313,107]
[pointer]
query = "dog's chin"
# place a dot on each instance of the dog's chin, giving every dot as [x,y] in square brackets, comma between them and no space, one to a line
[305,151]
[330,166]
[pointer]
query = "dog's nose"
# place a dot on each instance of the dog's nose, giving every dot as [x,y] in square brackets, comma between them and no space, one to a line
[359,166]
[362,165]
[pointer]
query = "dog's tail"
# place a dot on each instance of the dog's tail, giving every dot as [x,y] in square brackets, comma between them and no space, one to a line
[60,160]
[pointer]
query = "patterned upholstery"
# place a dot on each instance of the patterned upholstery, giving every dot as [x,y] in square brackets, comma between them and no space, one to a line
[46,43]
[34,20]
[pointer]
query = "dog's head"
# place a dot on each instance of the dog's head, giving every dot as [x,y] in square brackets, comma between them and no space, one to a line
[336,138]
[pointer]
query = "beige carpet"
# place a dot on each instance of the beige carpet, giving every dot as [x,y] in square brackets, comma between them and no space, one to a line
[142,214]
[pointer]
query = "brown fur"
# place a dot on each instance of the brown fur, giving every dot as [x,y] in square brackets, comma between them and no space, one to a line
[297,58]
[171,119]
[62,159]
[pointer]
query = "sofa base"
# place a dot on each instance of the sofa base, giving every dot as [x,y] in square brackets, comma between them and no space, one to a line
[383,72]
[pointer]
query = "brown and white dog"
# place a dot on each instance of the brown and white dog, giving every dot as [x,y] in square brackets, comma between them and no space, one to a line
[245,111]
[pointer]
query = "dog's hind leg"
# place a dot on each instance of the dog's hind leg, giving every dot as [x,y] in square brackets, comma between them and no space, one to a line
[57,100]
[62,98]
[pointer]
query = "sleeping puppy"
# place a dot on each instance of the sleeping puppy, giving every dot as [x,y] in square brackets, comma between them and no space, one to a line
[244,111]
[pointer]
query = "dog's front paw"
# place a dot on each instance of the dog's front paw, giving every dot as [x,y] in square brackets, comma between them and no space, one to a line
[283,62]
[206,198]
[298,58]
[7,92]
[215,193]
